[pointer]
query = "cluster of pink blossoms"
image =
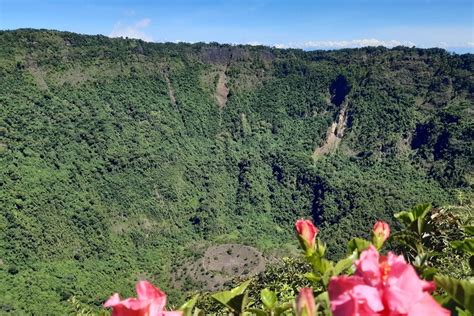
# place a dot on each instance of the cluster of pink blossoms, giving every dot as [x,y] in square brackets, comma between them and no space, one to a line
[381,285]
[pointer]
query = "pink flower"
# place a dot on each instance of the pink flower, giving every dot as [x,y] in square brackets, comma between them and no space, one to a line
[306,233]
[351,296]
[151,301]
[380,233]
[382,286]
[381,229]
[305,303]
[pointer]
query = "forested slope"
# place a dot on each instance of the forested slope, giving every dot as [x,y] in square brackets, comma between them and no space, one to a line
[118,157]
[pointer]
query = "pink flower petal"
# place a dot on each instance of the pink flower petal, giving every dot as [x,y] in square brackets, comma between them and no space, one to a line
[405,277]
[381,229]
[344,308]
[112,301]
[146,291]
[307,231]
[305,304]
[428,286]
[340,285]
[136,304]
[368,266]
[397,300]
[351,296]
[382,286]
[368,297]
[427,306]
[151,301]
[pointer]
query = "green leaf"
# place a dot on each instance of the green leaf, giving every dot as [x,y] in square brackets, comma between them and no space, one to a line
[326,276]
[326,265]
[429,273]
[461,291]
[269,298]
[405,216]
[420,260]
[198,312]
[344,264]
[256,311]
[358,244]
[417,214]
[187,307]
[421,210]
[461,312]
[320,247]
[279,310]
[469,230]
[466,245]
[235,299]
[320,264]
[312,277]
[323,300]
[407,238]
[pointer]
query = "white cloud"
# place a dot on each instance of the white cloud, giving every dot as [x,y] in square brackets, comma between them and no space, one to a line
[254,43]
[465,46]
[135,30]
[346,44]
[429,36]
[280,45]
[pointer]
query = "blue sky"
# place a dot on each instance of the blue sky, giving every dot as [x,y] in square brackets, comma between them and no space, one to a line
[291,23]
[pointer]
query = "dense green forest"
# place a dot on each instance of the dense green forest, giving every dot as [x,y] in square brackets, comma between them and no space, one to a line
[119,157]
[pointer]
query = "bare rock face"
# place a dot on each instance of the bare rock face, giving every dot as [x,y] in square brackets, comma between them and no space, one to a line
[223,55]
[334,134]
[267,56]
[216,55]
[339,90]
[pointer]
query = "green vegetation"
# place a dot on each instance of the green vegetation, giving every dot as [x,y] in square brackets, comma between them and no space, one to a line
[116,160]
[292,285]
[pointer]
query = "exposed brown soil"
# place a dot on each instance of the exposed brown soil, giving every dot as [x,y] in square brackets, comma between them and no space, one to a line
[219,265]
[170,91]
[73,76]
[37,74]
[222,91]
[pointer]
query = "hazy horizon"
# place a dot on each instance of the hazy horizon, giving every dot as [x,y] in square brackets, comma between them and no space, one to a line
[308,25]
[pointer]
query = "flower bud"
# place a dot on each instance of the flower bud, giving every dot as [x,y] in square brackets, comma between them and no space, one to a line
[306,234]
[380,233]
[305,305]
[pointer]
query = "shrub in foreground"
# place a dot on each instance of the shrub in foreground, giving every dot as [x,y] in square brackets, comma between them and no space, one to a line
[365,282]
